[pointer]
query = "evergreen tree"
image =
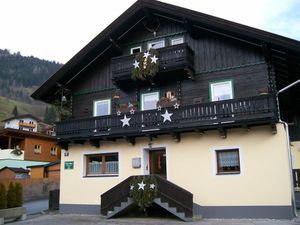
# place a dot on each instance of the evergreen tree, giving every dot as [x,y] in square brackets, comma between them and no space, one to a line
[3,201]
[50,115]
[11,196]
[15,111]
[19,195]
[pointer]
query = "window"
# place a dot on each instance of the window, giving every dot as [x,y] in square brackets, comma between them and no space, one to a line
[228,161]
[102,164]
[135,50]
[221,90]
[177,41]
[156,44]
[149,101]
[37,149]
[102,107]
[53,151]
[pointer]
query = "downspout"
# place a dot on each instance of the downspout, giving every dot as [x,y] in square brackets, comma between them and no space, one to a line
[286,127]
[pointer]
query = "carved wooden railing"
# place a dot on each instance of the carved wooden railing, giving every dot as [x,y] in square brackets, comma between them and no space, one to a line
[167,191]
[234,112]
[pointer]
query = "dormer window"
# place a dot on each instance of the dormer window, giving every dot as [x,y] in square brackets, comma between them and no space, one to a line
[156,44]
[135,50]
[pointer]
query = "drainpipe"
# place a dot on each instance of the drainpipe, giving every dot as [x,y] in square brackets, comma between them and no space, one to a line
[286,126]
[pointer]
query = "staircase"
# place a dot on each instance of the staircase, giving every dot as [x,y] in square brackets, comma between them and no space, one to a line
[172,198]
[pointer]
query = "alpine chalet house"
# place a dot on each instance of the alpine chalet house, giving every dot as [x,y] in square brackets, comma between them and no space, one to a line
[188,98]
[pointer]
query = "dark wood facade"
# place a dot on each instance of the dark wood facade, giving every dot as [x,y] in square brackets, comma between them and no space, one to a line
[214,50]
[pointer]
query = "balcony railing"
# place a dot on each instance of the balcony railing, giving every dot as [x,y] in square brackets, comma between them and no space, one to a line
[172,58]
[228,113]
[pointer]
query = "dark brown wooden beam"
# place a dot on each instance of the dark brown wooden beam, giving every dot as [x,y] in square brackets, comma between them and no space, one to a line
[131,140]
[222,132]
[176,137]
[95,142]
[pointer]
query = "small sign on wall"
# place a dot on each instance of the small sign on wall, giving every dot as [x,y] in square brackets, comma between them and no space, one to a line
[69,165]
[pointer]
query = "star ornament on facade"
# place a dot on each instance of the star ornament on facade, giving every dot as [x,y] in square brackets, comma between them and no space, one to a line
[176,106]
[132,111]
[154,59]
[118,112]
[146,55]
[159,108]
[152,186]
[141,185]
[136,64]
[167,116]
[131,187]
[125,121]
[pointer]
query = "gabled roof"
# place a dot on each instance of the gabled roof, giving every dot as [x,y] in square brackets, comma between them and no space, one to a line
[15,169]
[118,28]
[22,117]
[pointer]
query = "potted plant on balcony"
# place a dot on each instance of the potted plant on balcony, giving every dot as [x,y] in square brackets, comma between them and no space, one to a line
[11,202]
[168,100]
[128,107]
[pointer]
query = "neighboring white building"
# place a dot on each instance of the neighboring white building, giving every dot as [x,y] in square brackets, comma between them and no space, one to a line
[24,122]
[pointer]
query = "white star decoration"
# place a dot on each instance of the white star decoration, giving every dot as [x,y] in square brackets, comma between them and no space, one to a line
[153,59]
[141,185]
[152,186]
[131,187]
[176,105]
[118,112]
[167,116]
[146,55]
[125,121]
[159,108]
[132,111]
[136,64]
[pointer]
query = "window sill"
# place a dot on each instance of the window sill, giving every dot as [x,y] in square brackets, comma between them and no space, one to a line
[104,175]
[228,173]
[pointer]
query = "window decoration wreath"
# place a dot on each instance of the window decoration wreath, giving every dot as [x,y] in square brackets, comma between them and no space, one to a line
[146,65]
[143,191]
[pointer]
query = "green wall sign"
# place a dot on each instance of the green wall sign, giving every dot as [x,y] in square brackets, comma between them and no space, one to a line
[69,165]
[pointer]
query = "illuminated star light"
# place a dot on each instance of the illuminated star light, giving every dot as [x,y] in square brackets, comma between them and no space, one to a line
[125,121]
[131,187]
[141,185]
[152,186]
[159,108]
[146,55]
[136,64]
[118,112]
[154,59]
[132,111]
[167,116]
[176,105]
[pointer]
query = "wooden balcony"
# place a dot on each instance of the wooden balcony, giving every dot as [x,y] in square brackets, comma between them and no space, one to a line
[212,115]
[176,62]
[27,125]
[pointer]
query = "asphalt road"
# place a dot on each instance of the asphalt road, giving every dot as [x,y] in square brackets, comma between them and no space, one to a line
[36,207]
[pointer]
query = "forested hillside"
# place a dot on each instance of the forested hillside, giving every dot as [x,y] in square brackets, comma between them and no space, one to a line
[19,77]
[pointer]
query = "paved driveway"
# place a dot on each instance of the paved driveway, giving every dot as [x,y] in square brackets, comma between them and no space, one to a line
[66,219]
[37,206]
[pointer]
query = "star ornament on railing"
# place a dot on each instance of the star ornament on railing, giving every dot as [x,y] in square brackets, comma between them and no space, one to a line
[125,121]
[167,116]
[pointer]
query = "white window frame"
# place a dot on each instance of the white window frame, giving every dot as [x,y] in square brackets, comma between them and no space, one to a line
[181,39]
[215,163]
[134,48]
[154,42]
[37,150]
[53,151]
[101,101]
[212,86]
[145,94]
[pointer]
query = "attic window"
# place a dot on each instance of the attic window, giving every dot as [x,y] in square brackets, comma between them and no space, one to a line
[135,50]
[177,41]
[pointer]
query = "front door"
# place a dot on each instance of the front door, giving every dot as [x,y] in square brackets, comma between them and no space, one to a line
[158,163]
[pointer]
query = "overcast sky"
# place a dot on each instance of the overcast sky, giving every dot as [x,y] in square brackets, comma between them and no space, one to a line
[58,29]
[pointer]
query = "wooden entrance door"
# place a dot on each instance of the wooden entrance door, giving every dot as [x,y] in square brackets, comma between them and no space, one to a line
[158,162]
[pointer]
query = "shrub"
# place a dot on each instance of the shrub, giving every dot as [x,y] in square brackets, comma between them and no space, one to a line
[11,196]
[19,194]
[3,201]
